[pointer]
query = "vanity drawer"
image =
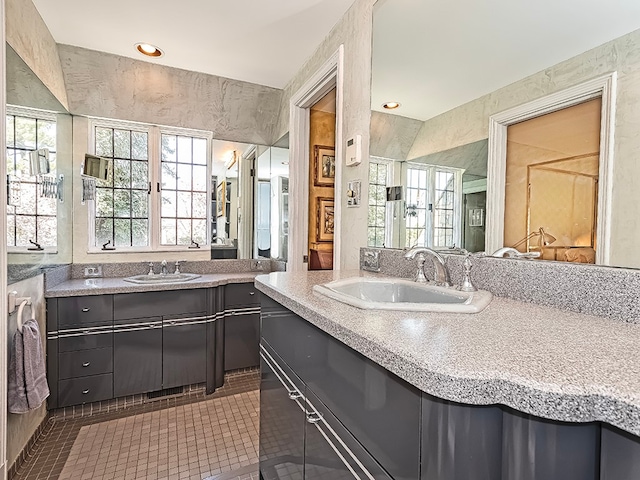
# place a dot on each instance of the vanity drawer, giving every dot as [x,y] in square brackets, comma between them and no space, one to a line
[85,362]
[85,389]
[159,304]
[241,295]
[84,340]
[89,310]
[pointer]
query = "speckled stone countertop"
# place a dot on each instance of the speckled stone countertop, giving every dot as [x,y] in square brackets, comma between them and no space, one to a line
[103,286]
[539,360]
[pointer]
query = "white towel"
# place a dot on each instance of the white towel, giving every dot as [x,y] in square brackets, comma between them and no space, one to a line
[27,387]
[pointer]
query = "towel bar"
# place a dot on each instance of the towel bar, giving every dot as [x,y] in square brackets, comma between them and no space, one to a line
[15,300]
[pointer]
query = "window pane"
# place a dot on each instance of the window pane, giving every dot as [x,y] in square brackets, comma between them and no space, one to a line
[122,203]
[200,179]
[184,177]
[47,231]
[123,232]
[10,132]
[27,200]
[168,231]
[139,204]
[199,205]
[168,207]
[122,173]
[104,230]
[11,225]
[25,229]
[104,203]
[139,175]
[184,204]
[139,148]
[168,148]
[47,206]
[199,232]
[200,151]
[122,143]
[104,142]
[140,232]
[46,134]
[25,133]
[169,175]
[184,232]
[184,150]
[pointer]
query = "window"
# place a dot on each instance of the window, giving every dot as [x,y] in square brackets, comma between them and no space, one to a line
[184,190]
[378,180]
[156,196]
[32,218]
[434,206]
[122,201]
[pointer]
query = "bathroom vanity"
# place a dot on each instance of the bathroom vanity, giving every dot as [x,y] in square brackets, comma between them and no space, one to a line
[107,338]
[516,392]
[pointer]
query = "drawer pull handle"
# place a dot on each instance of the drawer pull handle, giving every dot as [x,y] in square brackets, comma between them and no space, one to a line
[85,309]
[86,364]
[252,293]
[86,332]
[293,395]
[84,392]
[313,418]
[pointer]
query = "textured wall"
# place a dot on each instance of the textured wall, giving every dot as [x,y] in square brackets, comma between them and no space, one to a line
[20,428]
[392,135]
[104,85]
[28,35]
[470,122]
[354,31]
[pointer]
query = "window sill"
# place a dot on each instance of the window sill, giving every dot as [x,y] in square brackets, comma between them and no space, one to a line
[203,248]
[24,251]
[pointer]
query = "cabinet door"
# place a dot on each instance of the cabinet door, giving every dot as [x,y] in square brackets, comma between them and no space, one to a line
[330,451]
[184,351]
[241,295]
[282,419]
[241,340]
[137,356]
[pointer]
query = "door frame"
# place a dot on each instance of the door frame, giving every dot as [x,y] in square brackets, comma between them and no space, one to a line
[604,87]
[327,77]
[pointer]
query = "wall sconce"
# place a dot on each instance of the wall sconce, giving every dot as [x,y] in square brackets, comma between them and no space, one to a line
[544,239]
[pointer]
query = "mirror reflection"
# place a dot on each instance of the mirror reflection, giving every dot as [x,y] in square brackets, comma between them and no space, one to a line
[432,101]
[39,217]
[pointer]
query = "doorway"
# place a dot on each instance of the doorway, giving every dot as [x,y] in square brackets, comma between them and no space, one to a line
[322,174]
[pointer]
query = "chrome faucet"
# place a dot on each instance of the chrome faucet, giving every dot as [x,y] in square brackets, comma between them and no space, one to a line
[163,268]
[441,272]
[511,252]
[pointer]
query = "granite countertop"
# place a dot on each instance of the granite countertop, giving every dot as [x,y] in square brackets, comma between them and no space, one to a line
[539,360]
[104,286]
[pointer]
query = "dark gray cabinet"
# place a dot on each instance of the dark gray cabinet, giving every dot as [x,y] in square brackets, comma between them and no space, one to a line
[184,350]
[354,410]
[137,356]
[241,326]
[105,346]
[358,416]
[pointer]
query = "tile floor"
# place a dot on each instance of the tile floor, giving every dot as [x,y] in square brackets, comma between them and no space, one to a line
[178,438]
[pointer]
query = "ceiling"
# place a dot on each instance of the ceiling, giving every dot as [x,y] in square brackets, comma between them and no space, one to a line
[432,56]
[264,42]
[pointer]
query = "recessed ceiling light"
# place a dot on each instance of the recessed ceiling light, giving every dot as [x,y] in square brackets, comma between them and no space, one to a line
[149,50]
[390,105]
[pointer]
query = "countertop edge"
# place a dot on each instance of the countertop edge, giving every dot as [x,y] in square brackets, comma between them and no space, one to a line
[564,407]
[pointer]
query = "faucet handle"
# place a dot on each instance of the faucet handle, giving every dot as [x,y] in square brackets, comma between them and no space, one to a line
[150,268]
[467,286]
[178,262]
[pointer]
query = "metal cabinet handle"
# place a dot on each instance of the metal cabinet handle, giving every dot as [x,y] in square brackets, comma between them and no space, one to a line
[84,392]
[86,332]
[86,364]
[313,417]
[85,309]
[252,293]
[294,395]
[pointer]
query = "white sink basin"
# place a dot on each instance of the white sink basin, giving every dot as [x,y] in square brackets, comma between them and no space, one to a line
[399,294]
[161,278]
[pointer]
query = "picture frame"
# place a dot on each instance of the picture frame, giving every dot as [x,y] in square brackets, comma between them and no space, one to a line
[476,217]
[221,199]
[324,166]
[324,219]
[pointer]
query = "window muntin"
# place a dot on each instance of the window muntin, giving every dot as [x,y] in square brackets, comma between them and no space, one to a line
[122,201]
[36,217]
[183,177]
[378,179]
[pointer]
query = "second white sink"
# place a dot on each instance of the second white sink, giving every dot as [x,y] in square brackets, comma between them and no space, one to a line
[162,278]
[399,294]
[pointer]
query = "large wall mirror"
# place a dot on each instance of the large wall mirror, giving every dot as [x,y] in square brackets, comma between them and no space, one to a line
[441,72]
[39,210]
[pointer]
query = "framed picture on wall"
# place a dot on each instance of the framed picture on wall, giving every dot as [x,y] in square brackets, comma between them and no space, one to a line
[324,219]
[221,198]
[324,166]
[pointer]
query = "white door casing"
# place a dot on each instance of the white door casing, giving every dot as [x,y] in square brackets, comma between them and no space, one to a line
[330,75]
[605,87]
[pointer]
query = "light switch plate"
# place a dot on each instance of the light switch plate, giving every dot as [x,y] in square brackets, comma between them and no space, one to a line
[354,193]
[259,265]
[90,272]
